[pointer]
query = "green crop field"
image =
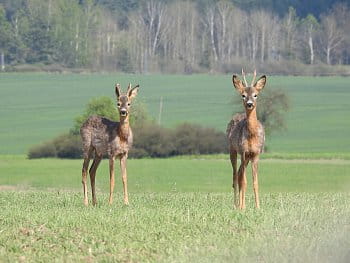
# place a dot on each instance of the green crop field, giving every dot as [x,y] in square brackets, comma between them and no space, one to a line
[36,106]
[180,210]
[180,174]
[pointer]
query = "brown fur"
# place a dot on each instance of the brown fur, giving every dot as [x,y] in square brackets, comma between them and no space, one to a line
[246,137]
[101,136]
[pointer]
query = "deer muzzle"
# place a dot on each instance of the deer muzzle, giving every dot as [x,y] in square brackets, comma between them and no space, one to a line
[250,104]
[123,112]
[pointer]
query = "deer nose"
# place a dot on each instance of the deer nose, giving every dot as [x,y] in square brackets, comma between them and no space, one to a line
[123,112]
[250,104]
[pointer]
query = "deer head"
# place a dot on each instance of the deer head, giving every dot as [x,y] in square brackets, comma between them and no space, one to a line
[250,92]
[124,100]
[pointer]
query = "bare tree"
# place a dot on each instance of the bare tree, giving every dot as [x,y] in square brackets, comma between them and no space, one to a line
[274,38]
[224,9]
[236,33]
[331,36]
[179,35]
[309,28]
[290,31]
[209,22]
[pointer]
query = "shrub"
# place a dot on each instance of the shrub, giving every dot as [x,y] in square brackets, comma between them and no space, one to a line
[150,139]
[194,139]
[68,146]
[105,107]
[64,146]
[44,150]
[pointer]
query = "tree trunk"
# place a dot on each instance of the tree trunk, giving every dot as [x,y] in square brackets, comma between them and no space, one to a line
[311,46]
[2,61]
[328,53]
[49,16]
[212,37]
[77,37]
[262,58]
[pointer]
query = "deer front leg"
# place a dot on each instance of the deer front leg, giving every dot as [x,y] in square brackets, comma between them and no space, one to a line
[84,177]
[242,181]
[233,157]
[92,172]
[124,178]
[111,179]
[255,181]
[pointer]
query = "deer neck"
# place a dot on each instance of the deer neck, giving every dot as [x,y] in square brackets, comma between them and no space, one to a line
[252,122]
[124,128]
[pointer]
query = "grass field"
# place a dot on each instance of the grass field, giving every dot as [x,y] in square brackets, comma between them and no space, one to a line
[37,106]
[180,175]
[38,226]
[180,210]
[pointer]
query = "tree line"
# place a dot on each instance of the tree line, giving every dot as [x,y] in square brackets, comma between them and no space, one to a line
[173,36]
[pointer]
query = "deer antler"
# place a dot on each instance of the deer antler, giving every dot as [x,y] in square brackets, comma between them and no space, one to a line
[129,88]
[117,89]
[245,81]
[254,76]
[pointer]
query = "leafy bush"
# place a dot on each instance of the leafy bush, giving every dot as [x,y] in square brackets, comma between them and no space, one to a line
[44,150]
[155,141]
[150,139]
[194,139]
[68,146]
[64,146]
[105,106]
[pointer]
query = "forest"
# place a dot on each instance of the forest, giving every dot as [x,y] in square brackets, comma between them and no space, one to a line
[175,36]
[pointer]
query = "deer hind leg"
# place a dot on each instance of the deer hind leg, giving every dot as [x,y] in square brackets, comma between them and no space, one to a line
[111,179]
[92,173]
[124,178]
[87,157]
[242,181]
[255,180]
[233,157]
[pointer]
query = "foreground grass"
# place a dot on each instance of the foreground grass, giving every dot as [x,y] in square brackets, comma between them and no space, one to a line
[47,226]
[180,211]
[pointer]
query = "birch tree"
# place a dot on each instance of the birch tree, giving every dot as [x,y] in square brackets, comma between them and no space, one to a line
[331,36]
[310,27]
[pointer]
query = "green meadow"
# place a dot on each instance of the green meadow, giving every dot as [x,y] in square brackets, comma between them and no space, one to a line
[181,174]
[37,106]
[180,208]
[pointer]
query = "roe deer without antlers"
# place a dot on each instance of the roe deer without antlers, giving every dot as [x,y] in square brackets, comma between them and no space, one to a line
[101,136]
[246,137]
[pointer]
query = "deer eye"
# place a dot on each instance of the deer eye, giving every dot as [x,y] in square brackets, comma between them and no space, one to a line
[129,104]
[243,96]
[255,95]
[118,104]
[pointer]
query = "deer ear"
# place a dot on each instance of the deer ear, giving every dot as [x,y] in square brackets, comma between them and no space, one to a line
[133,92]
[238,84]
[117,90]
[260,84]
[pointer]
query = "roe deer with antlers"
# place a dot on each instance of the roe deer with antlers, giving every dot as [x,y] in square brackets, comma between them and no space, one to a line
[101,136]
[246,137]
